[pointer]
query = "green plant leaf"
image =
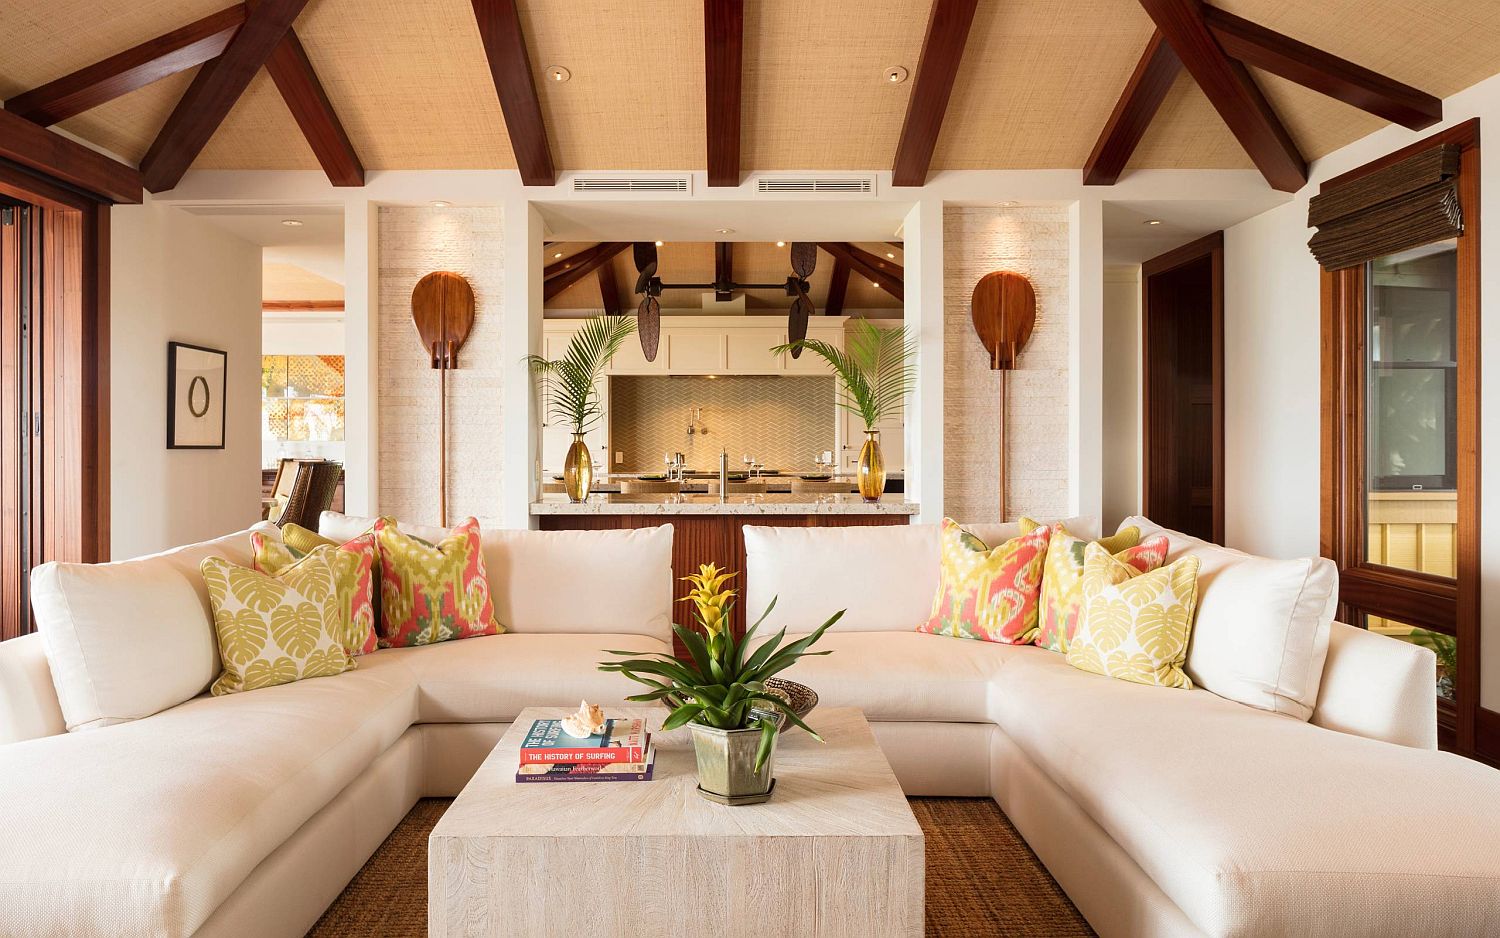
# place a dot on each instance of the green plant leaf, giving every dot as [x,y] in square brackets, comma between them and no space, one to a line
[571,382]
[768,730]
[682,716]
[693,642]
[790,714]
[876,369]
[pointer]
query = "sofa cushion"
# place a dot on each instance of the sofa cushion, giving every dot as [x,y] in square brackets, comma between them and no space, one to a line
[1062,578]
[492,679]
[988,593]
[433,591]
[1261,633]
[1256,824]
[1134,625]
[567,581]
[128,639]
[28,701]
[907,676]
[356,571]
[145,828]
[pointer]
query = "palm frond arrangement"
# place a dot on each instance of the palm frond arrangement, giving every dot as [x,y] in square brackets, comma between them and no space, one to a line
[876,371]
[570,381]
[722,683]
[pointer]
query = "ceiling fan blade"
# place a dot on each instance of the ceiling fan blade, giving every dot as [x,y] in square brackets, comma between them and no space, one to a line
[648,324]
[804,258]
[796,321]
[645,264]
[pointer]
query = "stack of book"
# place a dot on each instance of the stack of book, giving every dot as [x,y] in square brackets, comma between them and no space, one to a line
[621,752]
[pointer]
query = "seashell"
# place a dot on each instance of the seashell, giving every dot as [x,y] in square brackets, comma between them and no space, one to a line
[588,721]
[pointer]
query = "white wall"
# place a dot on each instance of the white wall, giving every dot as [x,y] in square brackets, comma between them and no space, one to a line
[176,277]
[1272,380]
[301,335]
[1122,395]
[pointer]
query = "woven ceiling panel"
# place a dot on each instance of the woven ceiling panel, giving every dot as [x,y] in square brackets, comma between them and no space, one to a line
[258,133]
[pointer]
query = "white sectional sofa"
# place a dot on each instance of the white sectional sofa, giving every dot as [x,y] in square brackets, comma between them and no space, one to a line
[1159,811]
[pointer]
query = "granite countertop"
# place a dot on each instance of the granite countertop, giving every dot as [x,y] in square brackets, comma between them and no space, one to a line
[774,504]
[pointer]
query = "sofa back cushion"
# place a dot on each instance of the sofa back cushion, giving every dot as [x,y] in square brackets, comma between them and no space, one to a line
[1261,633]
[885,575]
[1380,687]
[28,701]
[565,581]
[128,639]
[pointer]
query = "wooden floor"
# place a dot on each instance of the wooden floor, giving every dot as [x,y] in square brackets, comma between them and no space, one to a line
[982,879]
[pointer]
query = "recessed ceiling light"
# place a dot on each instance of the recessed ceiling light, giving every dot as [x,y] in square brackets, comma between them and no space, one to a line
[557,73]
[890,255]
[781,244]
[724,230]
[557,256]
[896,74]
[874,283]
[292,222]
[1153,221]
[440,203]
[660,243]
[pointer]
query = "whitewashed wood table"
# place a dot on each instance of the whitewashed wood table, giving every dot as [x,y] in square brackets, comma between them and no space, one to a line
[835,852]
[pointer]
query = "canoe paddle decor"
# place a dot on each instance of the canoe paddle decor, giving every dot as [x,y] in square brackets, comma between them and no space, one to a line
[1003,309]
[442,307]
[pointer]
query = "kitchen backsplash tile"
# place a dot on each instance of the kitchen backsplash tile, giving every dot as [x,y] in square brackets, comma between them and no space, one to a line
[783,422]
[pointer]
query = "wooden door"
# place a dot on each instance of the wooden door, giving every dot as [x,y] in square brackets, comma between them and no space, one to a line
[1182,341]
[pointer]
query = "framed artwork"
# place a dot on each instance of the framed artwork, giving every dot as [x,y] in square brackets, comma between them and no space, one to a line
[195,396]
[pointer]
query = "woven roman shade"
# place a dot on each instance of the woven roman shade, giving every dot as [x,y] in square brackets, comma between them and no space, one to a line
[1404,205]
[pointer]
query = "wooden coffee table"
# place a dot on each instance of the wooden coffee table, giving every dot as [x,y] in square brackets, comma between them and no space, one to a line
[836,851]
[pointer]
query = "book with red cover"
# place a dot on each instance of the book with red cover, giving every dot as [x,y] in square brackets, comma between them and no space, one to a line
[589,772]
[620,741]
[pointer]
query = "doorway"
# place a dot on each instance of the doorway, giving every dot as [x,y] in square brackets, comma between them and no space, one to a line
[1182,342]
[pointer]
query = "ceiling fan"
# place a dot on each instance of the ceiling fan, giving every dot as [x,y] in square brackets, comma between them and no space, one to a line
[648,286]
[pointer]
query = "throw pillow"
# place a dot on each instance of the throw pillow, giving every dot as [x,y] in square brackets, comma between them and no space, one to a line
[301,539]
[433,592]
[988,594]
[1062,578]
[1135,625]
[353,574]
[275,630]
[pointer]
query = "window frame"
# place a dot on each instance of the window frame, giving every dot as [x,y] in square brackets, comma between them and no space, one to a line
[1432,602]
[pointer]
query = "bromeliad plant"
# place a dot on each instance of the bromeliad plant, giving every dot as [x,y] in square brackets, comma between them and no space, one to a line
[722,684]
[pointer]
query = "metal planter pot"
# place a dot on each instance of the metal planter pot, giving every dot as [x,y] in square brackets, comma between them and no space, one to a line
[726,765]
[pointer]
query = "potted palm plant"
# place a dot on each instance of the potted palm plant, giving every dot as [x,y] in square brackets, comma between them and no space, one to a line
[724,691]
[875,374]
[572,392]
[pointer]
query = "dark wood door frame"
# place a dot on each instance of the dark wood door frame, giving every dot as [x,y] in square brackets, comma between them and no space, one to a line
[1420,599]
[72,379]
[1211,247]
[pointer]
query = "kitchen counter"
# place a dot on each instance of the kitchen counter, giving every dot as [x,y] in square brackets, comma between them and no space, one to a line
[771,504]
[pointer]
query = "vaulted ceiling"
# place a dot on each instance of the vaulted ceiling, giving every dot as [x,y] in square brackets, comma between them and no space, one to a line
[1034,88]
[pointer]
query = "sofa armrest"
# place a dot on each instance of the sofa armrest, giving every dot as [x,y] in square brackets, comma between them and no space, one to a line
[28,701]
[1378,687]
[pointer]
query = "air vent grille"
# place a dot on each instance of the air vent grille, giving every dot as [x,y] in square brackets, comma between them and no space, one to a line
[842,184]
[631,184]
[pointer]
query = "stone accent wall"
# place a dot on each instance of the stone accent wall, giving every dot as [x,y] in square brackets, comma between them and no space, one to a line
[783,422]
[1032,241]
[415,241]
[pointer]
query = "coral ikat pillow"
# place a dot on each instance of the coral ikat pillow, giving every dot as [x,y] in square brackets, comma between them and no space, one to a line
[433,592]
[1062,577]
[988,594]
[354,572]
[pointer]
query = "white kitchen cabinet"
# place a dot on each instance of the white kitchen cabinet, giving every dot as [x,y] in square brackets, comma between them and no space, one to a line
[694,351]
[748,351]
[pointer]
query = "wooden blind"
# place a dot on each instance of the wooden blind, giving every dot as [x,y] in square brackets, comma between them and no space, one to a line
[1405,205]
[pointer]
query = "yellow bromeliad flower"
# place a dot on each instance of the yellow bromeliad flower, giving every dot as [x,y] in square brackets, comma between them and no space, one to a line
[710,597]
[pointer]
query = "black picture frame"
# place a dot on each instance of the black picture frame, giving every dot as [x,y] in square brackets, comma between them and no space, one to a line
[207,382]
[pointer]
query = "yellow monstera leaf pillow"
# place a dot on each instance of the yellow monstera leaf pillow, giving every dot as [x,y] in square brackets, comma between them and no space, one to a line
[1062,576]
[275,629]
[1135,626]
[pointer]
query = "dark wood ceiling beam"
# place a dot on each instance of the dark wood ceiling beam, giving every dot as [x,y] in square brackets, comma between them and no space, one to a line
[838,286]
[155,59]
[1148,86]
[510,68]
[35,147]
[942,50]
[303,93]
[602,255]
[1313,68]
[885,274]
[215,89]
[1232,92]
[723,56]
[587,255]
[609,289]
[723,268]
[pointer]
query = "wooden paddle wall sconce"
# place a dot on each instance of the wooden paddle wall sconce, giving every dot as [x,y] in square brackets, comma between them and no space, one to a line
[1003,308]
[442,307]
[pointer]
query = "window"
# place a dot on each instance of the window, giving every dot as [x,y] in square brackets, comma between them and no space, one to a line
[1400,412]
[302,407]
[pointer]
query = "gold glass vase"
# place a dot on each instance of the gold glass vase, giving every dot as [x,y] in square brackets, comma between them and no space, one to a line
[871,471]
[578,470]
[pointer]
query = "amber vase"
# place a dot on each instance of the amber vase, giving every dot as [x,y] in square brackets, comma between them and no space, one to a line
[871,471]
[578,470]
